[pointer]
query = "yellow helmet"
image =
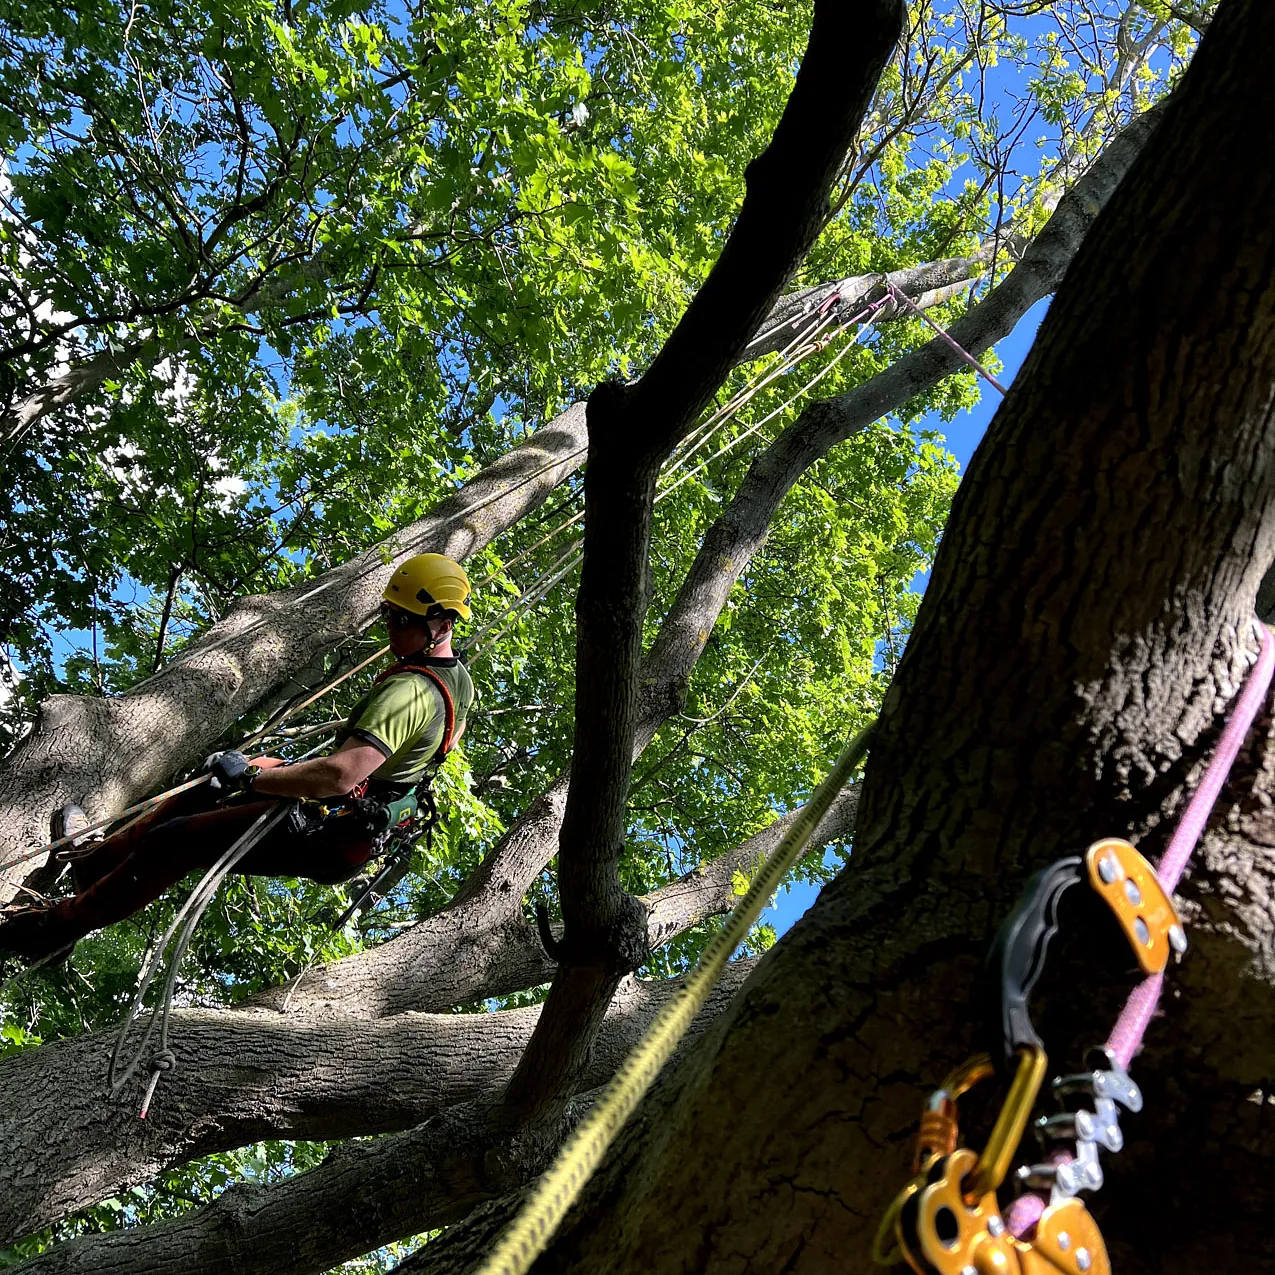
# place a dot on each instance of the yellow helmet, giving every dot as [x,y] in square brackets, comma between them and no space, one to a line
[427,581]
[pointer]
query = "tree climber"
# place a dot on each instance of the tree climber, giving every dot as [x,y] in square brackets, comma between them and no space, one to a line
[413,715]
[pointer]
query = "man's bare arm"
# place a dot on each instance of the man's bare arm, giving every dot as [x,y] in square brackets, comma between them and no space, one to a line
[330,776]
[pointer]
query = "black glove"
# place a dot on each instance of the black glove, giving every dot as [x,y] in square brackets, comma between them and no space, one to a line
[230,770]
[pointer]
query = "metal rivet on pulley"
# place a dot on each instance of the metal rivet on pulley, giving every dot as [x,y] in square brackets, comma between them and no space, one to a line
[1140,929]
[1177,939]
[1108,868]
[1131,891]
[995,1226]
[1064,1241]
[1083,1259]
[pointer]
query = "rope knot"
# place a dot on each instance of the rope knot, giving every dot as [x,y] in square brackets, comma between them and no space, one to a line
[164,1060]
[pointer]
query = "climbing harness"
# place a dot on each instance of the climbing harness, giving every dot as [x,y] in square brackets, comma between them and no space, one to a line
[947,1219]
[449,707]
[560,1186]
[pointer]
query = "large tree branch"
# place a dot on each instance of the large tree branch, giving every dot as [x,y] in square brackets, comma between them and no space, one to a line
[731,542]
[485,921]
[105,753]
[709,890]
[1087,623]
[631,431]
[246,1075]
[277,1079]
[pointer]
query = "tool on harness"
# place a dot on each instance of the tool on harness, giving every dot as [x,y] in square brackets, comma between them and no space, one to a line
[947,1219]
[392,871]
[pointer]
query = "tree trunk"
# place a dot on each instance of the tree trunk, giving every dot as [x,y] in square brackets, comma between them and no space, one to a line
[1086,627]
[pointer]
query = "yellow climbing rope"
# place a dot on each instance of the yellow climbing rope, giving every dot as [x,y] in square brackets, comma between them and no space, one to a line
[560,1186]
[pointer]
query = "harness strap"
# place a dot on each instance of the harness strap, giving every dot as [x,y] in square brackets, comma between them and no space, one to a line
[449,707]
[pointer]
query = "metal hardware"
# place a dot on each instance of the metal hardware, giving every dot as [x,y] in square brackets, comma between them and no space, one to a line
[1007,1132]
[937,1138]
[1108,1086]
[1130,887]
[947,1218]
[954,1234]
[1067,1240]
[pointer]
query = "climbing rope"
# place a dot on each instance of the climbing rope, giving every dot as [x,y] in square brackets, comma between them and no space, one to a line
[807,342]
[1139,1009]
[785,360]
[310,594]
[902,297]
[947,1220]
[561,1185]
[188,917]
[811,338]
[140,808]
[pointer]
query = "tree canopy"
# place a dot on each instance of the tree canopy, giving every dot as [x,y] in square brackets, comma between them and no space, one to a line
[281,281]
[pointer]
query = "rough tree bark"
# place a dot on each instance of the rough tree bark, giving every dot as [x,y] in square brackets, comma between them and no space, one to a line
[1086,627]
[250,1075]
[481,945]
[508,951]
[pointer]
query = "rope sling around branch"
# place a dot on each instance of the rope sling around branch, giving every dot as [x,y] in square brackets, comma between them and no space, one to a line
[560,1186]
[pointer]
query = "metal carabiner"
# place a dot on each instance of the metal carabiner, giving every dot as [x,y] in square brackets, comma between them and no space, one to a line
[919,1212]
[946,1220]
[938,1136]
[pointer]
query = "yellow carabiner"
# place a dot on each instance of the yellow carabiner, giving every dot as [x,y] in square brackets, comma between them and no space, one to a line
[949,1206]
[1007,1132]
[937,1137]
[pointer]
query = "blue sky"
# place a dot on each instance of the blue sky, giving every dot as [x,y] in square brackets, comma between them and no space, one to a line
[963,435]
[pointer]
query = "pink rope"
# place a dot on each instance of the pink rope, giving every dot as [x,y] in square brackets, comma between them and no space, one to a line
[1023,1213]
[1200,807]
[899,295]
[1126,1037]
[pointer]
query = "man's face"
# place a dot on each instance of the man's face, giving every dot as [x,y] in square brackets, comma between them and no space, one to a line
[408,631]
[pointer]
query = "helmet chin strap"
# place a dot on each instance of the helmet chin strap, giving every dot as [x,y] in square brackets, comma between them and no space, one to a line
[430,645]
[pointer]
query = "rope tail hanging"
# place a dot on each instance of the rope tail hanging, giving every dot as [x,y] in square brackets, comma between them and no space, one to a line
[188,917]
[561,1185]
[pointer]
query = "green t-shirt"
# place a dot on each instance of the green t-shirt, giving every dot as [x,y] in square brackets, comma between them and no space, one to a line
[403,716]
